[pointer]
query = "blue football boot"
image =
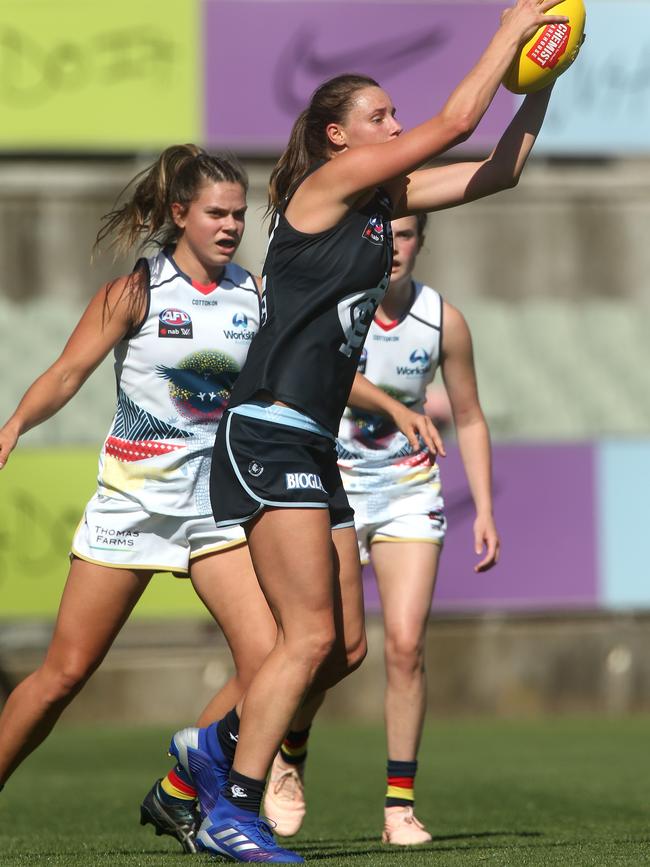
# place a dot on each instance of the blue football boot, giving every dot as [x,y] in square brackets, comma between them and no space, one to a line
[241,836]
[200,753]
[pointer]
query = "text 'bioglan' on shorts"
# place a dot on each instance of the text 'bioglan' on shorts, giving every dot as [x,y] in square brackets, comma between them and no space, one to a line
[268,455]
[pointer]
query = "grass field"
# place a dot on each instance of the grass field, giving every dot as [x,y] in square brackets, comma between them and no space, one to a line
[569,792]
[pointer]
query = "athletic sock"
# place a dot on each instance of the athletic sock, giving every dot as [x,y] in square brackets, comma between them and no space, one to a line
[177,786]
[244,793]
[400,782]
[294,747]
[227,733]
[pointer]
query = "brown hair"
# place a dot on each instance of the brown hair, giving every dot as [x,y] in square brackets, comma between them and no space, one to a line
[176,176]
[308,142]
[145,218]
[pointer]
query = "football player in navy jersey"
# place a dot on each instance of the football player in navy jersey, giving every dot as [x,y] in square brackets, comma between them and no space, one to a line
[399,517]
[347,171]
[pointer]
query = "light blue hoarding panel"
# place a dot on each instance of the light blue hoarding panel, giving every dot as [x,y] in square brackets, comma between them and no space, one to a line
[623,485]
[601,105]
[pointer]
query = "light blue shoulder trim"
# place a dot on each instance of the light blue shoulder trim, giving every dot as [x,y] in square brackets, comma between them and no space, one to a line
[275,414]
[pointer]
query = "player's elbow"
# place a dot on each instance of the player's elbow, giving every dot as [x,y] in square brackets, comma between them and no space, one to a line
[459,124]
[509,180]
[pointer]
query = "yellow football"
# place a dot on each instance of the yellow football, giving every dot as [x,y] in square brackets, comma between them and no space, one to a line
[550,52]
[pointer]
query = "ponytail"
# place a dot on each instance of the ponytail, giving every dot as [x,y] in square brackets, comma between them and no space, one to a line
[146,218]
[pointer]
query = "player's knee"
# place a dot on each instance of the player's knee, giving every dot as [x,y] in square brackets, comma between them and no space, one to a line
[316,647]
[247,665]
[356,652]
[64,680]
[404,652]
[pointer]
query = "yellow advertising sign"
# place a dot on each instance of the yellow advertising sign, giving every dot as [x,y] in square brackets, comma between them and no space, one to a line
[79,74]
[42,497]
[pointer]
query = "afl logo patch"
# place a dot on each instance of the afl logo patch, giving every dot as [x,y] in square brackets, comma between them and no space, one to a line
[174,323]
[255,469]
[374,231]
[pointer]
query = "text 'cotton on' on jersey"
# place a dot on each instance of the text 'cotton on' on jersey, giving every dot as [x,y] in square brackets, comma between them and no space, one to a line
[174,375]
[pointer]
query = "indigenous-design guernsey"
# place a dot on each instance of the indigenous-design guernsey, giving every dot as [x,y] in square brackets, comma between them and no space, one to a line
[320,295]
[401,358]
[174,379]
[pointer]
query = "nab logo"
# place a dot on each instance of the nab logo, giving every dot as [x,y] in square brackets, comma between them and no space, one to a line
[174,323]
[240,320]
[420,364]
[419,356]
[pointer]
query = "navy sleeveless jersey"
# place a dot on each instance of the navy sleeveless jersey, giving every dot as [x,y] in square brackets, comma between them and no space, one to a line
[320,295]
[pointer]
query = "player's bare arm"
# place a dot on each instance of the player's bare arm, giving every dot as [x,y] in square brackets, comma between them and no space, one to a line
[414,425]
[104,323]
[473,436]
[342,182]
[447,186]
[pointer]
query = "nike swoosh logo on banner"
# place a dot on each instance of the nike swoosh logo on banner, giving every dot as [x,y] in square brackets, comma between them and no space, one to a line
[300,68]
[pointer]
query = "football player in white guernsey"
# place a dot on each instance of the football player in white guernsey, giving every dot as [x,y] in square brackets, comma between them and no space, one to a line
[179,325]
[396,495]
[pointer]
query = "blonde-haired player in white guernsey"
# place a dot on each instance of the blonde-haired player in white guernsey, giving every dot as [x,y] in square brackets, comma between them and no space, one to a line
[395,492]
[180,326]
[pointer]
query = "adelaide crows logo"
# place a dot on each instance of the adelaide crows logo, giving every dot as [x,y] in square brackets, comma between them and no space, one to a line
[200,385]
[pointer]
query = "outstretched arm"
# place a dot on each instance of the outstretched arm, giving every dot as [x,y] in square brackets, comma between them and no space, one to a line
[472,430]
[342,181]
[106,320]
[414,425]
[446,186]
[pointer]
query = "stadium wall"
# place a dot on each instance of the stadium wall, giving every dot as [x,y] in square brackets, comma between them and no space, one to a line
[572,517]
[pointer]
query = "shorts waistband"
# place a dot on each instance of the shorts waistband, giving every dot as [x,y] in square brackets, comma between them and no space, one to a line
[276,414]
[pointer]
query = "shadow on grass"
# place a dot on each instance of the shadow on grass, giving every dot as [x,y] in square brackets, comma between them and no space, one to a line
[317,845]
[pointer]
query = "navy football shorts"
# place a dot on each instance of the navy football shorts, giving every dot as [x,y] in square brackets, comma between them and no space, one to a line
[267,461]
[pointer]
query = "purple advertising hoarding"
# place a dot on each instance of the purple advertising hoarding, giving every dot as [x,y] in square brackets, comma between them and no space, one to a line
[545,502]
[264,58]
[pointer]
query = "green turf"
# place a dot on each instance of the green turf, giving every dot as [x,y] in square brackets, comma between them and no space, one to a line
[569,792]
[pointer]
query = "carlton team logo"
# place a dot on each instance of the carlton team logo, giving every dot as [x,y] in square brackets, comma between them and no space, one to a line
[174,323]
[375,231]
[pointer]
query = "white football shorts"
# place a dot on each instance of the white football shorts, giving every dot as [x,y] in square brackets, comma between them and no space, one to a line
[121,534]
[384,513]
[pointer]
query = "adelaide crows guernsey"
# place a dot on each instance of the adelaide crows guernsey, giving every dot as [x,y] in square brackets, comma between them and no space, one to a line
[320,294]
[174,380]
[401,358]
